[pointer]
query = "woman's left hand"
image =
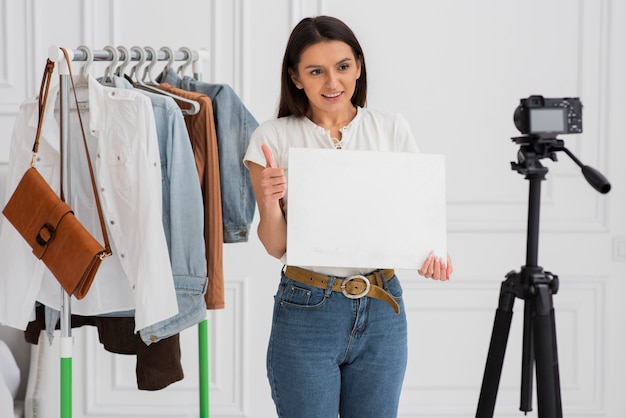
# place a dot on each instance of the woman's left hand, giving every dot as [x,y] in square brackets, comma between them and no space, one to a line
[436,268]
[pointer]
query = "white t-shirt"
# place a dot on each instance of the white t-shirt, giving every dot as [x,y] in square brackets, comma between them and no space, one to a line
[370,130]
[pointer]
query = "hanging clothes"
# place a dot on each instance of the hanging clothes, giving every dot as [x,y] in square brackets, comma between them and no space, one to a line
[182,222]
[123,144]
[157,347]
[157,365]
[234,125]
[183,217]
[201,128]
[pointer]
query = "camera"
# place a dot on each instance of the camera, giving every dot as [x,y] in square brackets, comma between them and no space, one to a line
[541,116]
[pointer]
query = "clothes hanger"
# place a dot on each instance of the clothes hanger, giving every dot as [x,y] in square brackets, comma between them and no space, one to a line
[147,72]
[83,74]
[170,61]
[81,82]
[119,71]
[151,86]
[181,69]
[134,71]
[108,71]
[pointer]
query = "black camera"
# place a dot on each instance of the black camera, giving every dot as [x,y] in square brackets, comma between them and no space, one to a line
[541,116]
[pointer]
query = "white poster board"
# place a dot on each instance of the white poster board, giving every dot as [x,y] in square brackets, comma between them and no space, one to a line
[365,209]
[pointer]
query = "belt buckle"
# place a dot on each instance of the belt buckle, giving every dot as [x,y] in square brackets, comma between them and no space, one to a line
[358,295]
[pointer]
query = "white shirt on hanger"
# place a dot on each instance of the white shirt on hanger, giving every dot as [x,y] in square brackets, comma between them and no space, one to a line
[121,134]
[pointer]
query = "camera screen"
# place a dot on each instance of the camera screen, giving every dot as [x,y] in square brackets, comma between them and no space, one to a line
[547,120]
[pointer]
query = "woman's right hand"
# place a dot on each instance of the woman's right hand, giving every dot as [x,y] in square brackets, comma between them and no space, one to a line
[270,186]
[273,180]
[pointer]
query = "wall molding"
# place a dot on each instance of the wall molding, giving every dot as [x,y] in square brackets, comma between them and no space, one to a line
[619,249]
[5,78]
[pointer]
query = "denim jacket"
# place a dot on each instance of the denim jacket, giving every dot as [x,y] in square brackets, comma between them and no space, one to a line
[234,125]
[183,218]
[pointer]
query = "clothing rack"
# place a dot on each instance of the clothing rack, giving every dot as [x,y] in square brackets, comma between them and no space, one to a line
[55,54]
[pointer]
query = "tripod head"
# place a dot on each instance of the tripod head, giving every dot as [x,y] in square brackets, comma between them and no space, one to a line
[536,147]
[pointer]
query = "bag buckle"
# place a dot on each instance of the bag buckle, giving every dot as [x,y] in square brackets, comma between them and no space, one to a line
[104,255]
[356,295]
[45,240]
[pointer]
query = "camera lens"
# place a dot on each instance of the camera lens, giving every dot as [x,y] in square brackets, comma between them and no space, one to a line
[519,119]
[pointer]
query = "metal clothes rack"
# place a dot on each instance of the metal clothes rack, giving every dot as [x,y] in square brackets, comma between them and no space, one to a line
[112,54]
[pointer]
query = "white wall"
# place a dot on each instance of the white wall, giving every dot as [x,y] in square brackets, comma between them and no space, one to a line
[456,69]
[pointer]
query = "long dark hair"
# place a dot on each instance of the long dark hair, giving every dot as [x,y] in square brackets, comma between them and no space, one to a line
[309,31]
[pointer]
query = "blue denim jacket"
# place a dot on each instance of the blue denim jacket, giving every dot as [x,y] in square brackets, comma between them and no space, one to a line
[183,218]
[234,124]
[183,222]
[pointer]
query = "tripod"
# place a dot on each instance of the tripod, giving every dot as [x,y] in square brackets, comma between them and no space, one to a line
[536,287]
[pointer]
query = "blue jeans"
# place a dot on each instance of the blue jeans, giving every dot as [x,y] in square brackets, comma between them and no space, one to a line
[331,355]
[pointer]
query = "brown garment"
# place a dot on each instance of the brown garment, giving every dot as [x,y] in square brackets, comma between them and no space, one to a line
[201,128]
[158,364]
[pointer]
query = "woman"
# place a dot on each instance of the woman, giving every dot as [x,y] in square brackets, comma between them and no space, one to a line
[329,353]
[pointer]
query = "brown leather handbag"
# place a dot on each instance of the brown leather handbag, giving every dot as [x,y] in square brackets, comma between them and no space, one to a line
[48,224]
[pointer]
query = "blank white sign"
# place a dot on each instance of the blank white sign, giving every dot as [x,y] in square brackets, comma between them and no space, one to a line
[365,209]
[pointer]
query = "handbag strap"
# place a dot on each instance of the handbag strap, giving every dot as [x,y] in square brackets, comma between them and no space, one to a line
[43,99]
[105,236]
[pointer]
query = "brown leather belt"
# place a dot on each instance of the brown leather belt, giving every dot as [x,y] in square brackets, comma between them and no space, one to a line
[353,287]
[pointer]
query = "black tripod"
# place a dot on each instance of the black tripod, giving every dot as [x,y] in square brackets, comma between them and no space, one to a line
[536,287]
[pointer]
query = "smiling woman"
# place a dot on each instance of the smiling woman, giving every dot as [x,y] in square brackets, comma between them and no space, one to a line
[327,72]
[338,332]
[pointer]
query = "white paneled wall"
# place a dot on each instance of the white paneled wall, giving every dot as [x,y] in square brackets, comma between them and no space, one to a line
[456,69]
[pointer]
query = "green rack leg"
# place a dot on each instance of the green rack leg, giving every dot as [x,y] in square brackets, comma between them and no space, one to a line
[66,387]
[203,365]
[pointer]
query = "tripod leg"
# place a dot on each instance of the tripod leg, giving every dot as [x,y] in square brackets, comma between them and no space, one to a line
[528,360]
[495,355]
[547,364]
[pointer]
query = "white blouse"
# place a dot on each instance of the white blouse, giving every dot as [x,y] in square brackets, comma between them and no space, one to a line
[123,146]
[370,130]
